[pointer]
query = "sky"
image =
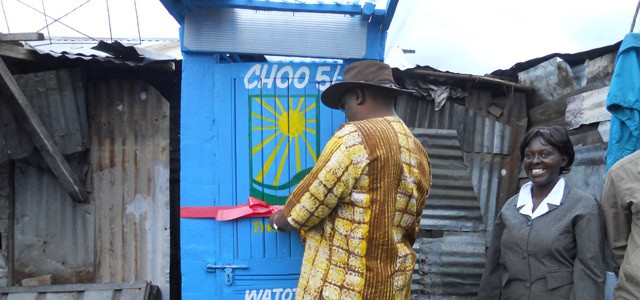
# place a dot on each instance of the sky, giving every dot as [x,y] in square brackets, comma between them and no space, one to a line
[478,37]
[463,36]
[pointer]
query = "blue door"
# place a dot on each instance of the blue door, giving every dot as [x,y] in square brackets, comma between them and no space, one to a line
[272,126]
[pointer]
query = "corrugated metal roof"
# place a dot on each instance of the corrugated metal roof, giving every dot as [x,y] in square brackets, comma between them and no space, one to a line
[452,204]
[58,97]
[122,51]
[137,290]
[130,164]
[290,4]
[571,58]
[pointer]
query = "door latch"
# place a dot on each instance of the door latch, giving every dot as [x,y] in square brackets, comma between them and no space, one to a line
[228,271]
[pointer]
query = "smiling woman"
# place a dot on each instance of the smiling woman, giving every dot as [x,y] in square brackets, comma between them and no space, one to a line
[546,154]
[547,241]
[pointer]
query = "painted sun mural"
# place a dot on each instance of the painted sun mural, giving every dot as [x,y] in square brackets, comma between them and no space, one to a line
[284,143]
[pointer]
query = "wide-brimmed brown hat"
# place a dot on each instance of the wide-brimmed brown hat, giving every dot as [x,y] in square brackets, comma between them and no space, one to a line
[365,73]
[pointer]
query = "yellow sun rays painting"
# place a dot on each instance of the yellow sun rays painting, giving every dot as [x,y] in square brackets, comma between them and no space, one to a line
[284,143]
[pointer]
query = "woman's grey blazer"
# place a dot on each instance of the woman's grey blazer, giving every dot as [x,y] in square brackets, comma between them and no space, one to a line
[558,255]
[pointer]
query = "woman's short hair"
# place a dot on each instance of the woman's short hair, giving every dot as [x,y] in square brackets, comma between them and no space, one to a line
[557,137]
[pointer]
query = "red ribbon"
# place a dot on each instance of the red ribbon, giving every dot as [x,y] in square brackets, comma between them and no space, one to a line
[255,208]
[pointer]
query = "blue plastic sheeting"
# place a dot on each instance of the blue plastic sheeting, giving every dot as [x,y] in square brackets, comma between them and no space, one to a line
[623,101]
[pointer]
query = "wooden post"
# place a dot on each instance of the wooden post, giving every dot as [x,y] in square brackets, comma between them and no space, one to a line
[40,136]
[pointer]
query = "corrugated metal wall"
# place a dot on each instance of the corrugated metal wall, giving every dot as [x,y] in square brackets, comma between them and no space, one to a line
[474,172]
[129,122]
[139,290]
[422,114]
[53,234]
[492,130]
[58,97]
[452,265]
[589,169]
[127,172]
[5,193]
[488,139]
[452,204]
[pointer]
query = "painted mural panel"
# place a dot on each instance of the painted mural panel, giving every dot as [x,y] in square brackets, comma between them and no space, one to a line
[284,142]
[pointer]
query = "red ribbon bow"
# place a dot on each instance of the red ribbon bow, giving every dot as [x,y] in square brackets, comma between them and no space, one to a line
[255,208]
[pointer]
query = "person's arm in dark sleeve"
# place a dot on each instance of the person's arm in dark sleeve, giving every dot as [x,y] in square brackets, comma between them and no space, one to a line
[491,283]
[588,268]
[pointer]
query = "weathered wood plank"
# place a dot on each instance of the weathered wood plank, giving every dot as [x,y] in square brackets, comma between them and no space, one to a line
[25,36]
[133,285]
[18,52]
[548,112]
[40,136]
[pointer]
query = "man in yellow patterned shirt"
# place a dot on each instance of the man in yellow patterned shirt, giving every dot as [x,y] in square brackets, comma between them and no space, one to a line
[360,206]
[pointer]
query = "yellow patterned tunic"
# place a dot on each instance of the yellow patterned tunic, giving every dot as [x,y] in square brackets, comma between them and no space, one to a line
[360,207]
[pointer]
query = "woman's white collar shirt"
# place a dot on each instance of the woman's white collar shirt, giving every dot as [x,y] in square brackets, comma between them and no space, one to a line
[525,200]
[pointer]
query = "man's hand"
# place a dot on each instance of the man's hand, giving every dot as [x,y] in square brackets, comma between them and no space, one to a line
[279,222]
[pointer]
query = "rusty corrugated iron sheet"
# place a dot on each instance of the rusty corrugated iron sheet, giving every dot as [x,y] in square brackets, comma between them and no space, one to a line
[474,172]
[58,97]
[485,135]
[494,124]
[422,114]
[452,204]
[130,164]
[589,169]
[489,130]
[53,235]
[451,266]
[137,290]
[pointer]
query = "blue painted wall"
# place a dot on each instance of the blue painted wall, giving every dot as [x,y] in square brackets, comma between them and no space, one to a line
[199,238]
[234,116]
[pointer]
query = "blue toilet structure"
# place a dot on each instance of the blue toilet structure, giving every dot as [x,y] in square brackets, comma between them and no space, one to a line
[253,127]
